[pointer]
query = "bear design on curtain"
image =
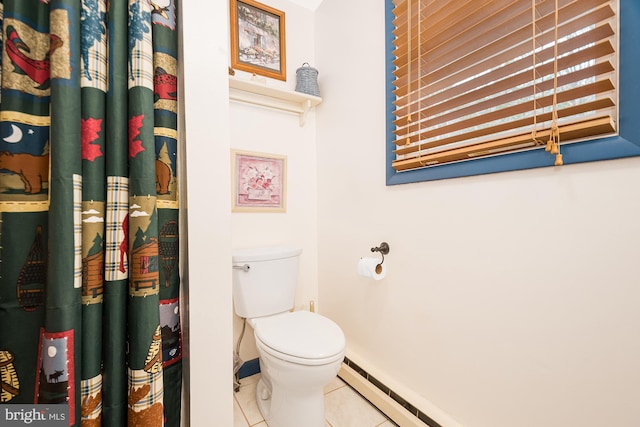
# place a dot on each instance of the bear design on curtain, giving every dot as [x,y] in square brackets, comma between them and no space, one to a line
[89,243]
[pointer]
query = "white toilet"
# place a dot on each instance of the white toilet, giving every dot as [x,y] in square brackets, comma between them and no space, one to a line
[300,352]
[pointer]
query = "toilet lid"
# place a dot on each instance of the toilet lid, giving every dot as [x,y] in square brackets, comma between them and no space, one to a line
[301,334]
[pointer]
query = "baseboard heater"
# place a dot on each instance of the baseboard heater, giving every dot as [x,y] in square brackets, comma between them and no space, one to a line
[390,403]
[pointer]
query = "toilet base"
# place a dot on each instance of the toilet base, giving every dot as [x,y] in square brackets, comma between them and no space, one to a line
[282,409]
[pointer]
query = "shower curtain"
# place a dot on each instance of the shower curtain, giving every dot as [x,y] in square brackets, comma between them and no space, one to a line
[89,245]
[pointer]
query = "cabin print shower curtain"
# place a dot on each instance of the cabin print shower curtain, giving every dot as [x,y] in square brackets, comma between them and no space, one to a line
[89,283]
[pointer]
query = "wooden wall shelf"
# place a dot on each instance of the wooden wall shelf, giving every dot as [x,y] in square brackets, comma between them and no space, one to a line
[257,93]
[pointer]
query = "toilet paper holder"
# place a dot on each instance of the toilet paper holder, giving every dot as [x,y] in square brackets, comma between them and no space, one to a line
[383,249]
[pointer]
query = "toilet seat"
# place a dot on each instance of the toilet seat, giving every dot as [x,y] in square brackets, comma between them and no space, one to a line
[300,337]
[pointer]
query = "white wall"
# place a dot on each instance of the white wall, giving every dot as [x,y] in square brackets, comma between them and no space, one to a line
[213,126]
[257,129]
[208,328]
[511,299]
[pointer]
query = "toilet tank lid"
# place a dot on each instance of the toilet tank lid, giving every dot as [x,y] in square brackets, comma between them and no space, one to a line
[265,253]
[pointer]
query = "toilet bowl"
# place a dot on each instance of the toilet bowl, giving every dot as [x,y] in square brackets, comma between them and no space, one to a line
[300,352]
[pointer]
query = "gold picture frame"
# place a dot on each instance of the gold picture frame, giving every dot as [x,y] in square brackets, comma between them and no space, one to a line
[259,182]
[258,39]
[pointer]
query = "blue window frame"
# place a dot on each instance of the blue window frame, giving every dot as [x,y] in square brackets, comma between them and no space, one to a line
[625,144]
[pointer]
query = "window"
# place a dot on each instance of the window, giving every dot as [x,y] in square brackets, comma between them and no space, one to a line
[469,103]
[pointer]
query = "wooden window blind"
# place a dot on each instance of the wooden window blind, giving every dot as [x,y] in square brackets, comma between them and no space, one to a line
[490,77]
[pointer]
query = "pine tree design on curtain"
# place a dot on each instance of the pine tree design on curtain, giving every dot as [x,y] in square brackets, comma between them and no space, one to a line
[89,237]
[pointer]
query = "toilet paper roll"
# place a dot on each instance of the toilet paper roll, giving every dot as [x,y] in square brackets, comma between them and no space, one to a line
[372,268]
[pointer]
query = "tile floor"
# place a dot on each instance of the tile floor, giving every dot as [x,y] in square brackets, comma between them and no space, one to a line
[344,407]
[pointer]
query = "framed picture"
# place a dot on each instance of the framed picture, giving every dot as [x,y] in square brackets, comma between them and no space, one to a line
[258,39]
[259,182]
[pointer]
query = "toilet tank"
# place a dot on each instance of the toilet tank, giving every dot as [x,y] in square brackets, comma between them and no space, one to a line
[264,280]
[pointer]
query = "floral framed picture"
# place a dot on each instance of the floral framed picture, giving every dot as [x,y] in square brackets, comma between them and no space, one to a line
[259,182]
[258,39]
